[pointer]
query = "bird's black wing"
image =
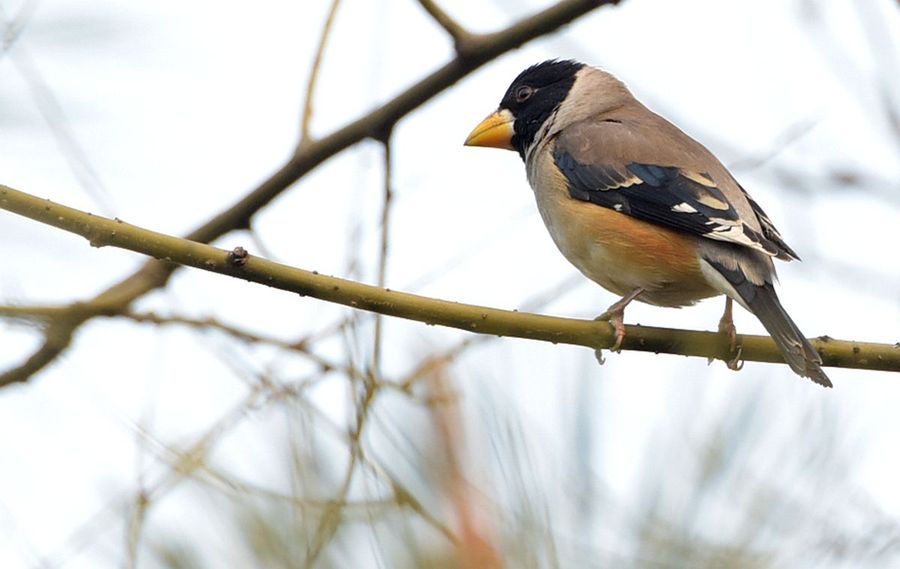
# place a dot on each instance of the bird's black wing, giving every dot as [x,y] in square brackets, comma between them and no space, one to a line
[769,230]
[674,197]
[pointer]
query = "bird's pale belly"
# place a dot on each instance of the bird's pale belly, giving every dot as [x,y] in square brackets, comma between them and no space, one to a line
[622,253]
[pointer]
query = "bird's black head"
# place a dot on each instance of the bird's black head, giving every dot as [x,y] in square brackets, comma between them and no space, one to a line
[535,94]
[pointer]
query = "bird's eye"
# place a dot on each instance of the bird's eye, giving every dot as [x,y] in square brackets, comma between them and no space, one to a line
[523,93]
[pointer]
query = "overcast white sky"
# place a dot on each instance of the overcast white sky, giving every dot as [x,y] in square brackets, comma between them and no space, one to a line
[181,108]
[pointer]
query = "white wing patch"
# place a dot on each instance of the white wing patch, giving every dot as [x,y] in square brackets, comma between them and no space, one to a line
[721,224]
[684,207]
[735,232]
[626,183]
[701,178]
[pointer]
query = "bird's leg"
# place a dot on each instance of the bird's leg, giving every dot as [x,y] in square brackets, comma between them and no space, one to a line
[726,323]
[615,315]
[726,326]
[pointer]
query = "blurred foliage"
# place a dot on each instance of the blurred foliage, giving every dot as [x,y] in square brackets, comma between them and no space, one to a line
[745,489]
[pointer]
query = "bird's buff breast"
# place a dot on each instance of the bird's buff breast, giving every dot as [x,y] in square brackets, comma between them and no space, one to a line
[617,251]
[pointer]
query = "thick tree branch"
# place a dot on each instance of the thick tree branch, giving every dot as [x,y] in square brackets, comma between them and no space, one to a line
[101,232]
[471,54]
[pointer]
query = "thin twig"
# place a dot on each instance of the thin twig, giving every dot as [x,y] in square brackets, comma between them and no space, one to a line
[443,19]
[245,335]
[305,137]
[383,253]
[331,517]
[786,138]
[402,495]
[51,110]
[12,30]
[182,465]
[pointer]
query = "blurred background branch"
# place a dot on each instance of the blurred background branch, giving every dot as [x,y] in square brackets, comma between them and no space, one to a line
[307,115]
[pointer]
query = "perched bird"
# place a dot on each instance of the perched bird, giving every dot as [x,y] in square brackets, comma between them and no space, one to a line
[640,207]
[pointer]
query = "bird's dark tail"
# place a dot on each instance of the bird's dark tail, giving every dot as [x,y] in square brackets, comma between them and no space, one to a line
[763,302]
[796,349]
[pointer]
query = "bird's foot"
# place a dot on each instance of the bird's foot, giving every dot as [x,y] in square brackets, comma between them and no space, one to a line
[730,331]
[615,315]
[736,363]
[726,326]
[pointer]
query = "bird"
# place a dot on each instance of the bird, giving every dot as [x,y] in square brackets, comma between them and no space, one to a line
[640,207]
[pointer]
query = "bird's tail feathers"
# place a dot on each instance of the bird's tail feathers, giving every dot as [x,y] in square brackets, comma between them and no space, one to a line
[796,349]
[762,300]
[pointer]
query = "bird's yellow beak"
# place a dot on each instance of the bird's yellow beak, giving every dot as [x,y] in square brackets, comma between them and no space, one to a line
[496,131]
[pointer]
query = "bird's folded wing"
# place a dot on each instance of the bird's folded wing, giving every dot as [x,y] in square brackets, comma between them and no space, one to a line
[684,198]
[769,230]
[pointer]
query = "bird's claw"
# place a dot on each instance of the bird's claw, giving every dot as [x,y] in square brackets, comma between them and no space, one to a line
[736,363]
[615,315]
[617,319]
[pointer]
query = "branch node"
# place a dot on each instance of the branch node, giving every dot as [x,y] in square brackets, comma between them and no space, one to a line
[470,46]
[238,256]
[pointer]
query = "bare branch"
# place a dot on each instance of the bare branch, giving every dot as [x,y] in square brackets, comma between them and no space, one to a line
[57,338]
[443,19]
[323,363]
[238,263]
[305,137]
[13,29]
[48,105]
[383,253]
